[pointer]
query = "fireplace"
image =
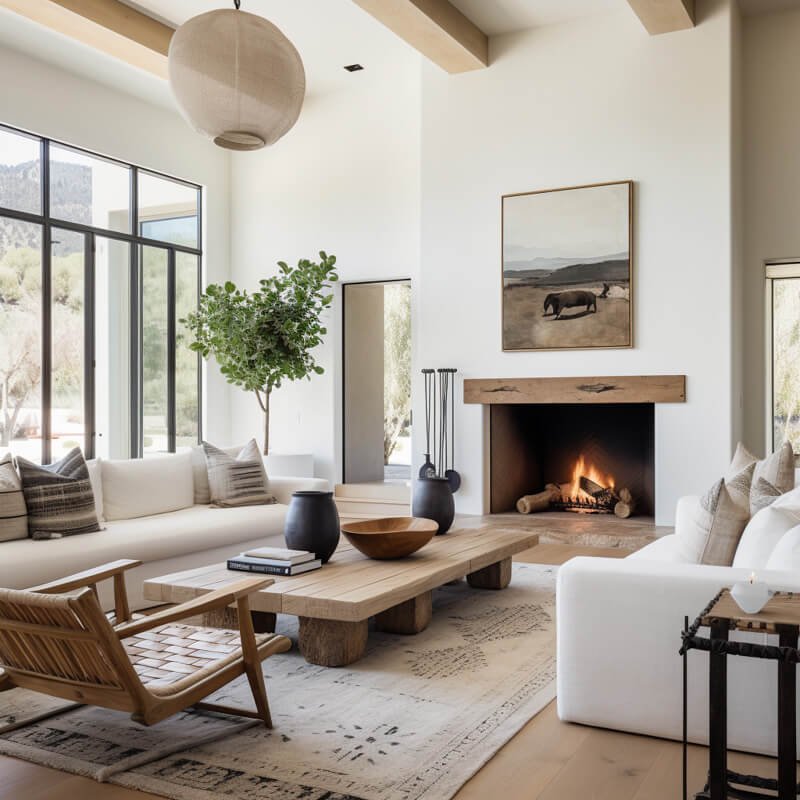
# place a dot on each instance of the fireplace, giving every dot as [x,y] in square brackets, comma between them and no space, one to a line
[593,453]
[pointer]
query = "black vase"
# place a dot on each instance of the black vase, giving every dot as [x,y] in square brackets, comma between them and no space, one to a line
[312,523]
[433,499]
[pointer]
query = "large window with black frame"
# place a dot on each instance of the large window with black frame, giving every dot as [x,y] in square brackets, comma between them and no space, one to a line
[99,262]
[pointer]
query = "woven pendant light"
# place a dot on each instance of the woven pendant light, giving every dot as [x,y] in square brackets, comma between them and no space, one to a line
[236,78]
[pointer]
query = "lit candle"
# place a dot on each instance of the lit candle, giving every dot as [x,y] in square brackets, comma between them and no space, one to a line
[750,595]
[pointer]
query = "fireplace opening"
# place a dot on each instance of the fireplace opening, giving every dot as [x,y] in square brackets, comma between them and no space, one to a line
[585,458]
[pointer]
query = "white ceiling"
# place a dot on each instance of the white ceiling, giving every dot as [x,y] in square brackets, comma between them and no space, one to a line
[328,33]
[495,17]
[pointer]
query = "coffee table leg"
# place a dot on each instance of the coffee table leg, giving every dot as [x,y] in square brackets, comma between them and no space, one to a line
[332,643]
[495,576]
[410,617]
[263,622]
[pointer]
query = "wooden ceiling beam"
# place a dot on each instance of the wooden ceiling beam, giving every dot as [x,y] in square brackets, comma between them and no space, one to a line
[436,28]
[664,16]
[106,25]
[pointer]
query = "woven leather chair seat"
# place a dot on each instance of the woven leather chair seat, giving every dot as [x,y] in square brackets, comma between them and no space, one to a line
[166,655]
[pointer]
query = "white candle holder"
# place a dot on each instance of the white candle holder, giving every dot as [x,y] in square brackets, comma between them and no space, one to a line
[750,595]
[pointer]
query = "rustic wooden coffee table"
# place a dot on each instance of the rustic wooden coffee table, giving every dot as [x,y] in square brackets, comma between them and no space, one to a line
[334,603]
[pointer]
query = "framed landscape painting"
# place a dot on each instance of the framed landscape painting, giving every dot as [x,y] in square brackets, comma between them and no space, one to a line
[567,268]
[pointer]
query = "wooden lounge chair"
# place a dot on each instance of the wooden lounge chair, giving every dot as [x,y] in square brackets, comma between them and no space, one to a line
[55,639]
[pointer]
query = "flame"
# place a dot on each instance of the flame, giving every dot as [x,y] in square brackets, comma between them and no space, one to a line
[573,491]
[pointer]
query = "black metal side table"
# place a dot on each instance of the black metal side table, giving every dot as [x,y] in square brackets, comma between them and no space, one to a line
[780,616]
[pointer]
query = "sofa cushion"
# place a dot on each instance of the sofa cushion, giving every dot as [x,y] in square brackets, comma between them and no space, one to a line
[666,549]
[777,469]
[149,539]
[709,527]
[239,480]
[96,477]
[140,487]
[13,512]
[765,530]
[202,492]
[59,497]
[785,556]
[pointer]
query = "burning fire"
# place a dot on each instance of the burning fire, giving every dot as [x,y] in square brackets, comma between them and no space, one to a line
[574,491]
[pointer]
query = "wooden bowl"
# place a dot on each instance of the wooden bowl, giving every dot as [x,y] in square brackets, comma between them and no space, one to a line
[391,537]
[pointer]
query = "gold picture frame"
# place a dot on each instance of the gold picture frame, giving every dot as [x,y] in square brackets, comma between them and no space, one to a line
[567,257]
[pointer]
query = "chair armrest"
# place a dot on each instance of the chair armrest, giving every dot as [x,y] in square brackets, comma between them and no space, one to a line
[91,577]
[200,605]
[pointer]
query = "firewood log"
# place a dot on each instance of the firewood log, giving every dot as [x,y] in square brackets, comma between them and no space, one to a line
[626,504]
[531,503]
[590,487]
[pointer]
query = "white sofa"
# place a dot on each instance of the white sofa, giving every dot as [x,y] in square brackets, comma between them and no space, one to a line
[619,625]
[148,512]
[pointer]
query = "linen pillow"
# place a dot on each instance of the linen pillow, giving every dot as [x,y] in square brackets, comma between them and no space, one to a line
[709,527]
[96,477]
[777,469]
[765,530]
[239,480]
[141,487]
[13,512]
[202,492]
[59,497]
[762,494]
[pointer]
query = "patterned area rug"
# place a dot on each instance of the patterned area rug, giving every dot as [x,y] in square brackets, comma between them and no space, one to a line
[413,720]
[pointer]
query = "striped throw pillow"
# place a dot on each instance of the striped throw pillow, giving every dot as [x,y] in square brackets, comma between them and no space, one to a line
[13,513]
[237,480]
[59,497]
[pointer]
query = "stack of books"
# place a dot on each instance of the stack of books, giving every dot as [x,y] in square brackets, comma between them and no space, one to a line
[274,561]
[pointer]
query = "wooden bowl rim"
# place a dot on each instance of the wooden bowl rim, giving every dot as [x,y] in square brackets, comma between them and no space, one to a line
[354,527]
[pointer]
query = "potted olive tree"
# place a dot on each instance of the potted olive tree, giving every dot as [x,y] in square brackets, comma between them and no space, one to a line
[261,339]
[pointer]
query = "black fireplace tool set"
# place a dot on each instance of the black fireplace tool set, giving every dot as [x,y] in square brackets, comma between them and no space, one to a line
[440,422]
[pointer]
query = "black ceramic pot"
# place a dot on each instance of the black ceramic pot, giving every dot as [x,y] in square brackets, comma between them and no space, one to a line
[433,499]
[312,523]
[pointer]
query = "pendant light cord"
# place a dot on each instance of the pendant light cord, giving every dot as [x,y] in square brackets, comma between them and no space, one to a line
[237,3]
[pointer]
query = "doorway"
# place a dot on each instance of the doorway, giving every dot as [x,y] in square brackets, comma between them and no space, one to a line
[377,381]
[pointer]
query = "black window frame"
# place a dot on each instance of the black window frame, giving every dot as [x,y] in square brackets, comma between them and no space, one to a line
[137,242]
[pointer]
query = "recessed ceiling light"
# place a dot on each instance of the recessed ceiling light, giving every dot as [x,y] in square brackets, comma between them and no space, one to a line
[354,67]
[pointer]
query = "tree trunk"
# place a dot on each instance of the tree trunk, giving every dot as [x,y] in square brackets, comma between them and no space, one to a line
[266,423]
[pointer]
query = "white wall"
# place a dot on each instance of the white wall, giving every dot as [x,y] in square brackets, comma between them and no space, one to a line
[51,102]
[365,173]
[771,185]
[344,180]
[590,101]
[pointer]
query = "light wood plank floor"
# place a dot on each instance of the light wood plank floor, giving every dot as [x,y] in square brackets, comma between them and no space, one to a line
[546,760]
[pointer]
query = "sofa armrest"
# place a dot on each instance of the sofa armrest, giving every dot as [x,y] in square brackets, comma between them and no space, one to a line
[282,487]
[618,628]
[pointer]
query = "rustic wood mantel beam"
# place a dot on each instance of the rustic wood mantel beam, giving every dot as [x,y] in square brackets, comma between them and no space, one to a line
[664,16]
[625,389]
[106,25]
[436,28]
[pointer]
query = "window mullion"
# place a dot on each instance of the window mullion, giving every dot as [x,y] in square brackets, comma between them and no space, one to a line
[89,363]
[47,321]
[171,355]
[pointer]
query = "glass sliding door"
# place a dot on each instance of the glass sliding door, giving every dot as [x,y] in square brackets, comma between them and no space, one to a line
[187,362]
[99,262]
[112,328]
[154,267]
[21,338]
[68,286]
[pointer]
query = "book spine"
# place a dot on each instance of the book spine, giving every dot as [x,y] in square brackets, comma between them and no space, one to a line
[263,569]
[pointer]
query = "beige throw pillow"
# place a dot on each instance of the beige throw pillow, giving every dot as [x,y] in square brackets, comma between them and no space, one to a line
[709,527]
[727,505]
[13,511]
[239,480]
[777,470]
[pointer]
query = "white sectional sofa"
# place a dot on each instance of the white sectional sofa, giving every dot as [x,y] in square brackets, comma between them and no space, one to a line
[619,625]
[149,512]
